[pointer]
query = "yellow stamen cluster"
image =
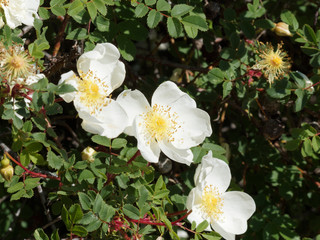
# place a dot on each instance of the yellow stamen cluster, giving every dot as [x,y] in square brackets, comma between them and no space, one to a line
[274,64]
[160,123]
[4,3]
[93,92]
[211,203]
[15,62]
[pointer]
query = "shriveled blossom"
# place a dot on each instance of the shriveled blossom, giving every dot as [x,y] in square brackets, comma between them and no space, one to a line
[274,63]
[100,72]
[172,124]
[226,212]
[18,66]
[18,12]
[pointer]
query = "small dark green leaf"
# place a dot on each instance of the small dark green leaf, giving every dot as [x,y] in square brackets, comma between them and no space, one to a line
[163,5]
[131,211]
[180,10]
[196,22]
[141,10]
[39,234]
[153,19]
[174,27]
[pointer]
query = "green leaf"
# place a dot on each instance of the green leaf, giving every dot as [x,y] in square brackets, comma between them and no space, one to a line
[247,29]
[16,187]
[102,24]
[141,10]
[106,212]
[75,213]
[86,175]
[163,5]
[307,147]
[196,22]
[143,196]
[31,183]
[202,226]
[153,19]
[309,33]
[75,7]
[79,231]
[316,144]
[131,211]
[101,140]
[44,13]
[97,204]
[227,87]
[161,194]
[174,27]
[216,76]
[180,10]
[150,2]
[301,100]
[65,217]
[299,78]
[17,122]
[119,143]
[92,10]
[264,23]
[55,235]
[54,161]
[293,144]
[289,18]
[78,34]
[39,234]
[192,32]
[126,47]
[101,6]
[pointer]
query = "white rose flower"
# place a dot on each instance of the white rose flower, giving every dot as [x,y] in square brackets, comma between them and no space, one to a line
[172,124]
[100,72]
[227,212]
[20,11]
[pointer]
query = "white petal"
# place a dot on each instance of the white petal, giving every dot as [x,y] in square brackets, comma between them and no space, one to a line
[69,78]
[110,122]
[179,155]
[237,208]
[195,126]
[134,103]
[104,62]
[168,93]
[11,20]
[194,198]
[213,171]
[149,150]
[226,235]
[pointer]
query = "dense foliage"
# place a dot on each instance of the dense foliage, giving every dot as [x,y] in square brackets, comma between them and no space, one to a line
[253,66]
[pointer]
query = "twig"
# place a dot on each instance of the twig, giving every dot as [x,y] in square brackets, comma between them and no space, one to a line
[46,211]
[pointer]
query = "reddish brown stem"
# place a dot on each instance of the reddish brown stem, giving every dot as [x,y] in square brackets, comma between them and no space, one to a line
[137,154]
[60,35]
[33,174]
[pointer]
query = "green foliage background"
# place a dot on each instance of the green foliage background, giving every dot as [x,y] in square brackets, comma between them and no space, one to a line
[269,135]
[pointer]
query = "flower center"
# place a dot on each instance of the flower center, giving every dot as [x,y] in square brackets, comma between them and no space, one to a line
[4,2]
[92,92]
[16,62]
[211,203]
[276,61]
[160,123]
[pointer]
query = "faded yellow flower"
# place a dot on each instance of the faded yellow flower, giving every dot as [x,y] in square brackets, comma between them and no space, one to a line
[16,62]
[273,63]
